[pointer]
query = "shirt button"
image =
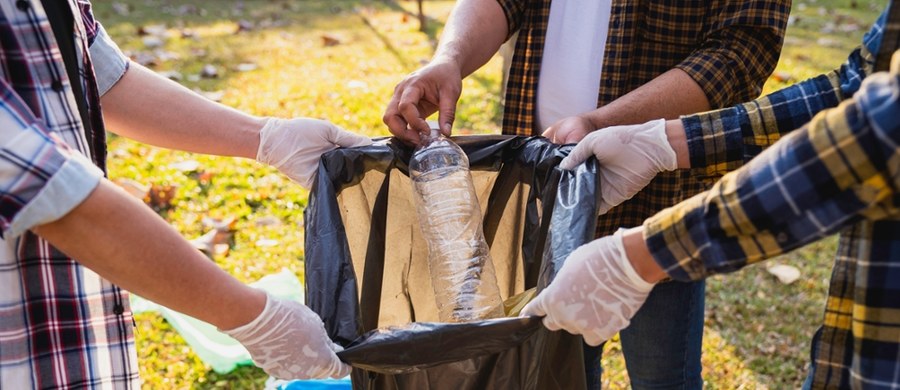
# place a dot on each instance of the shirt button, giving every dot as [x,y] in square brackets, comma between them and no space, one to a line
[57,85]
[22,5]
[118,309]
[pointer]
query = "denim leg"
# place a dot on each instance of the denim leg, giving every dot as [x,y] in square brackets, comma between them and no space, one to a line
[592,368]
[662,345]
[813,350]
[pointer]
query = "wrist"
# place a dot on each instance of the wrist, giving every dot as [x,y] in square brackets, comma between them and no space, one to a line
[447,57]
[594,118]
[246,309]
[251,126]
[678,141]
[639,256]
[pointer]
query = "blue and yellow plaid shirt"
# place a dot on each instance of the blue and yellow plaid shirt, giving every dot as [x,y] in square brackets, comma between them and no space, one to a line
[839,172]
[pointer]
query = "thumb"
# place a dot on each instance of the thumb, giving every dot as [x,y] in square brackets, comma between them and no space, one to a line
[581,152]
[447,110]
[533,308]
[550,134]
[346,139]
[340,370]
[536,308]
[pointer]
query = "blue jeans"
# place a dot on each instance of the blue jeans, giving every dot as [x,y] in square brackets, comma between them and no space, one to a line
[662,344]
[813,351]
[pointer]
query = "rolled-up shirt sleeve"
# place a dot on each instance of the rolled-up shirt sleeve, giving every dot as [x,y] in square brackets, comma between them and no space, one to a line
[514,10]
[110,64]
[841,168]
[41,178]
[740,51]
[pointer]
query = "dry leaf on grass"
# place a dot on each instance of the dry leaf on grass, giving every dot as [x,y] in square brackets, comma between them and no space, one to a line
[218,240]
[134,188]
[329,40]
[209,71]
[786,274]
[160,196]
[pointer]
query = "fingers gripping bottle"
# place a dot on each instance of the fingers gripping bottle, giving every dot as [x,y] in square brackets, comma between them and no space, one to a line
[459,259]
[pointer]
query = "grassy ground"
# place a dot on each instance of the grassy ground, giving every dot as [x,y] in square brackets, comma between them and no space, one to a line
[340,60]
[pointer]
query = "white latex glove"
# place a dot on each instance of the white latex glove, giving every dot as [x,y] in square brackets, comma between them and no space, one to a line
[629,156]
[295,145]
[288,341]
[595,294]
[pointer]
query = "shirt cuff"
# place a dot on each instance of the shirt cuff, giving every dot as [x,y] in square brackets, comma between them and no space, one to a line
[109,62]
[66,189]
[669,238]
[513,11]
[715,142]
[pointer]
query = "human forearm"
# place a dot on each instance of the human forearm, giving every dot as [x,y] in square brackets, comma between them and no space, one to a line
[125,242]
[719,141]
[812,183]
[474,32]
[151,109]
[669,95]
[723,140]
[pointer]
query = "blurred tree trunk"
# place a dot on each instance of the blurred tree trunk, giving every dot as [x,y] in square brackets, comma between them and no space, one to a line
[421,16]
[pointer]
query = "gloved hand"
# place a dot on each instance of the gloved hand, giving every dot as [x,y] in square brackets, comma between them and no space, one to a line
[629,156]
[295,145]
[595,294]
[288,341]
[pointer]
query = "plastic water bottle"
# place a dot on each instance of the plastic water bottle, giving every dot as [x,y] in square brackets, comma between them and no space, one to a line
[459,259]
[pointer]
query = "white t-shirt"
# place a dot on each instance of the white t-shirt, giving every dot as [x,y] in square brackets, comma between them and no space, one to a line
[573,58]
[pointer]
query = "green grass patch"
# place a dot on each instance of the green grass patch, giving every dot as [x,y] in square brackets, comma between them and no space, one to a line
[757,330]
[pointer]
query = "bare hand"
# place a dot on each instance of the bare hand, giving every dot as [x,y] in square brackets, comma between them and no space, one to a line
[436,87]
[569,130]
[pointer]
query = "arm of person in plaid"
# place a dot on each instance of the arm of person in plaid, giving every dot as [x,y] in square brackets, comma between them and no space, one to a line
[48,187]
[716,142]
[729,65]
[133,98]
[473,33]
[59,194]
[671,94]
[839,169]
[193,123]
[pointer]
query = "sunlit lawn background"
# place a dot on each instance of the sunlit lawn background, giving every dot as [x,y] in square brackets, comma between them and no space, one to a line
[340,60]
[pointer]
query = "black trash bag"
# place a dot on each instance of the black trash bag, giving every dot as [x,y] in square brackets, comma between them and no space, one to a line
[367,274]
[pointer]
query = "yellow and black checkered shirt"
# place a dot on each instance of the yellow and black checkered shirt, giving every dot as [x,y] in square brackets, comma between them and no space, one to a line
[839,172]
[729,47]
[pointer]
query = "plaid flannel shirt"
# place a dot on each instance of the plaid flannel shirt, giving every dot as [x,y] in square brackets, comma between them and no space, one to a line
[61,325]
[838,173]
[729,47]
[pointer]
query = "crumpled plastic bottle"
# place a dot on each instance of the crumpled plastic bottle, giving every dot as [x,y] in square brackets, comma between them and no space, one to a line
[459,258]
